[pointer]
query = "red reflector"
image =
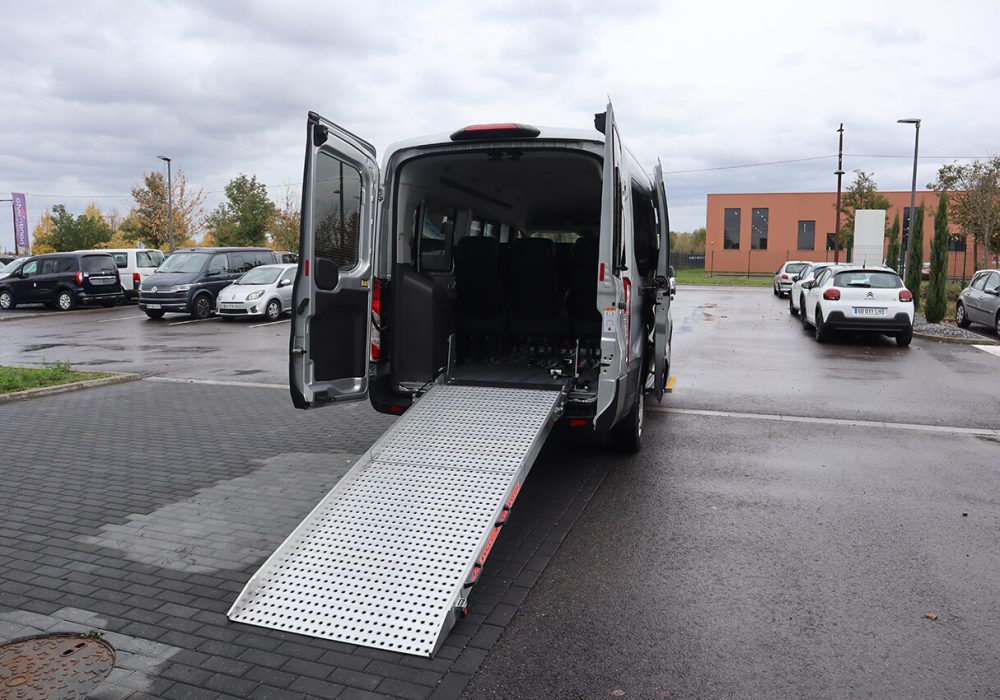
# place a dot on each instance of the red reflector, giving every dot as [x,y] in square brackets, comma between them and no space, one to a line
[579,422]
[376,351]
[905,295]
[377,298]
[398,410]
[79,278]
[306,267]
[832,295]
[600,277]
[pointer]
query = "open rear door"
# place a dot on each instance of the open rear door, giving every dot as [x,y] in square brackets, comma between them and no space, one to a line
[663,321]
[331,309]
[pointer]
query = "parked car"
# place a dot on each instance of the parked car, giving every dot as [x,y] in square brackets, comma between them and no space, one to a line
[6,260]
[287,256]
[263,291]
[870,299]
[783,276]
[189,280]
[62,281]
[980,301]
[134,265]
[796,294]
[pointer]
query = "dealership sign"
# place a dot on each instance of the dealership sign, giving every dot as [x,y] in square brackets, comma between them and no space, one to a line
[22,245]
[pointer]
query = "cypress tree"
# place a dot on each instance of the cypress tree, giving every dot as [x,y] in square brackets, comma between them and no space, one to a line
[915,255]
[936,304]
[892,254]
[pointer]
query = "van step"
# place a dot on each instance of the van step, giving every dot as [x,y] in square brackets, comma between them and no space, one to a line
[388,557]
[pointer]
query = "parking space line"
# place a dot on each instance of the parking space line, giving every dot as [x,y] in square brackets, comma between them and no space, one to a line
[123,318]
[193,320]
[215,382]
[830,421]
[270,323]
[991,349]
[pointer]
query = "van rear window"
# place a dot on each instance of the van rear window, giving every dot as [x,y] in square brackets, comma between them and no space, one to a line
[98,263]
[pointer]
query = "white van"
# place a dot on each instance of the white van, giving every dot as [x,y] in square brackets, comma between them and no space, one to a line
[135,265]
[500,255]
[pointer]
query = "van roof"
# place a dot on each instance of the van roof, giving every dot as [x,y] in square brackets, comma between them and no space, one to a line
[546,133]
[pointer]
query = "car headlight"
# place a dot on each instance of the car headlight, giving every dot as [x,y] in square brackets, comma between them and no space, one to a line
[255,295]
[183,287]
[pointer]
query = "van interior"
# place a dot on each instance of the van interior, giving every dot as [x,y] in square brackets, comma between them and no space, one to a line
[495,268]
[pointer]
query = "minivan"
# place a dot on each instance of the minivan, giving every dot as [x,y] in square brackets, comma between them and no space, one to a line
[190,279]
[499,254]
[134,265]
[62,281]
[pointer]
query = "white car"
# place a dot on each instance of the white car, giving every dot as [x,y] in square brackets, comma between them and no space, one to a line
[783,276]
[265,291]
[871,299]
[797,294]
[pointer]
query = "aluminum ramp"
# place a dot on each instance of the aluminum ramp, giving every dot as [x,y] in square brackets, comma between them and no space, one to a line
[389,556]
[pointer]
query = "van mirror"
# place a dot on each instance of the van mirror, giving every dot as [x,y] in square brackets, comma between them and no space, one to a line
[327,274]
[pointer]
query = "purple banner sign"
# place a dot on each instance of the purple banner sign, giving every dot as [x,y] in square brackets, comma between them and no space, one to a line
[21,241]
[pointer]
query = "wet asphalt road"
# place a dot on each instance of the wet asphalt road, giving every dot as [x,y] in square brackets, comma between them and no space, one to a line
[735,556]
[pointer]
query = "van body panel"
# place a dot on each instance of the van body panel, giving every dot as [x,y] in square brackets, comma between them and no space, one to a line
[663,323]
[332,300]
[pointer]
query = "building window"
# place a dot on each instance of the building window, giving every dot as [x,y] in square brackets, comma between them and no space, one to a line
[731,231]
[956,243]
[758,229]
[831,241]
[807,235]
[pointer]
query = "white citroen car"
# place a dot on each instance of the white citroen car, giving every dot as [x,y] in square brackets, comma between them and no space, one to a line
[871,299]
[265,291]
[796,294]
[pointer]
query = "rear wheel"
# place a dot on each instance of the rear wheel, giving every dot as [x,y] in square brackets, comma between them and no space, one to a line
[202,308]
[996,323]
[802,314]
[65,301]
[7,300]
[627,435]
[273,310]
[822,330]
[961,320]
[154,314]
[903,338]
[791,308]
[777,292]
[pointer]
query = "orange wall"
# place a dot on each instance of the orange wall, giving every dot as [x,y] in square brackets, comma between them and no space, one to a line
[785,210]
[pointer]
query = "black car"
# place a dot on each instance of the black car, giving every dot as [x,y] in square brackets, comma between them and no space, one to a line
[62,281]
[189,280]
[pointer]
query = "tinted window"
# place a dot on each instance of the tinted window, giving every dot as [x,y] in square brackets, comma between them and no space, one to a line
[992,282]
[97,263]
[121,259]
[795,268]
[219,264]
[147,258]
[50,266]
[758,229]
[240,262]
[862,278]
[337,211]
[822,277]
[643,230]
[731,229]
[436,233]
[184,262]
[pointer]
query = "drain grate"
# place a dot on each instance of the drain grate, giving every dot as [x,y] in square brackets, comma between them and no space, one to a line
[64,666]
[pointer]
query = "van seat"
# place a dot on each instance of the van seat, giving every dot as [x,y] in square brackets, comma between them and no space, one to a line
[582,302]
[537,307]
[481,300]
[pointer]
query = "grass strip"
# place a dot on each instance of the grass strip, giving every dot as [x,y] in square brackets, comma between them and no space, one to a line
[13,379]
[702,277]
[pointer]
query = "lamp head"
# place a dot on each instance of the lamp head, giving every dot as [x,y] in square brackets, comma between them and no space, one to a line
[163,158]
[908,121]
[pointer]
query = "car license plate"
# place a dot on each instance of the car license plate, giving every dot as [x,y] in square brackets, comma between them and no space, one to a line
[154,306]
[869,311]
[101,280]
[227,305]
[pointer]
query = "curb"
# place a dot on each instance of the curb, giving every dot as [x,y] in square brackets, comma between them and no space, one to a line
[958,341]
[116,378]
[40,314]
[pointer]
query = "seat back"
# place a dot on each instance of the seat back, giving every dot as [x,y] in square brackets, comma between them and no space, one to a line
[478,285]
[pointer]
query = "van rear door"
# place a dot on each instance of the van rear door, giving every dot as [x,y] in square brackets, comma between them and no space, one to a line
[328,358]
[662,321]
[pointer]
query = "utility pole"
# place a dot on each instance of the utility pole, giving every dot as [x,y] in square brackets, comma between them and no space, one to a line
[170,206]
[840,174]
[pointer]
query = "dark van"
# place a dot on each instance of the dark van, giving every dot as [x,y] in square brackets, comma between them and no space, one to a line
[62,281]
[190,279]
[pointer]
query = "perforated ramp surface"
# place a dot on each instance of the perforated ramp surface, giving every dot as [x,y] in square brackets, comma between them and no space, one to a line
[384,558]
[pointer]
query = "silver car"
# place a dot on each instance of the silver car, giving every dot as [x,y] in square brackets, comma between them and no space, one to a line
[265,291]
[783,276]
[980,301]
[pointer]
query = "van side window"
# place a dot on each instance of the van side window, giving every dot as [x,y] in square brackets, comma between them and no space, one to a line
[121,259]
[644,230]
[337,211]
[218,265]
[30,269]
[50,266]
[436,233]
[142,259]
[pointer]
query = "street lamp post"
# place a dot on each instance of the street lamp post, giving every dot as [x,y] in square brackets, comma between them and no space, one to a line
[170,206]
[839,173]
[913,193]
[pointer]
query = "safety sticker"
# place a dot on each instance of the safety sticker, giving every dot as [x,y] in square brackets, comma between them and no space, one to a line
[610,314]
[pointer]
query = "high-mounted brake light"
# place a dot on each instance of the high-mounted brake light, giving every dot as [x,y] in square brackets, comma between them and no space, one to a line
[832,294]
[491,132]
[79,278]
[905,295]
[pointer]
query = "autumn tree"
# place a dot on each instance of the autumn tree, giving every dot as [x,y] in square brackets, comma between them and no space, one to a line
[42,235]
[147,221]
[64,232]
[915,256]
[244,218]
[861,194]
[892,252]
[974,200]
[284,231]
[936,303]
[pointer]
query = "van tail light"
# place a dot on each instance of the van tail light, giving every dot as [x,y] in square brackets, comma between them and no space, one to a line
[305,267]
[832,294]
[136,280]
[784,276]
[600,276]
[376,343]
[905,295]
[79,278]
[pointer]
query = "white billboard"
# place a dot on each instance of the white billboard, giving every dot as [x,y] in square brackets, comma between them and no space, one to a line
[869,236]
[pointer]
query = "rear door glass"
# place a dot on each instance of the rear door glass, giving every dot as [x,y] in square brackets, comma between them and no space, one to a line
[121,259]
[436,233]
[98,263]
[992,282]
[877,280]
[795,268]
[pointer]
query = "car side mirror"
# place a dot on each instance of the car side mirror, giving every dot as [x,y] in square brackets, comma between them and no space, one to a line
[808,285]
[795,278]
[284,283]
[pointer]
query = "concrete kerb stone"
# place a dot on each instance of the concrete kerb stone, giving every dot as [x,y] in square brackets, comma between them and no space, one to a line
[40,313]
[982,340]
[115,378]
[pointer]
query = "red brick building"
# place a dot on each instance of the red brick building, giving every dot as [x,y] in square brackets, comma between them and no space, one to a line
[758,232]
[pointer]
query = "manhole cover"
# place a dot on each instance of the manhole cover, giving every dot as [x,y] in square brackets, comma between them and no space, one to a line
[54,666]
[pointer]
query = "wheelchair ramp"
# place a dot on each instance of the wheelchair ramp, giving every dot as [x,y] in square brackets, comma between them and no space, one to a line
[389,556]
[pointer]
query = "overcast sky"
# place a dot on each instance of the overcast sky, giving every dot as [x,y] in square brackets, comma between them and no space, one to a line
[94,91]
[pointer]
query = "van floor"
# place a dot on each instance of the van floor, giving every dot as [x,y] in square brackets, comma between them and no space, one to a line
[516,369]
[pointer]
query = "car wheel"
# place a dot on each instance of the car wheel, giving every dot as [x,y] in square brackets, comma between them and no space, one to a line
[996,323]
[273,310]
[791,309]
[202,308]
[822,331]
[7,300]
[903,338]
[802,314]
[961,320]
[776,291]
[154,314]
[627,435]
[65,301]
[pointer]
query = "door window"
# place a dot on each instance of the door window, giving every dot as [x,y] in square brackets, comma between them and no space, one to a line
[289,275]
[218,265]
[30,269]
[147,258]
[50,266]
[337,211]
[979,281]
[992,282]
[121,259]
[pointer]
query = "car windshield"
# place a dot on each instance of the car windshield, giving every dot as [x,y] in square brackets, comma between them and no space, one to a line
[795,268]
[260,275]
[867,278]
[184,262]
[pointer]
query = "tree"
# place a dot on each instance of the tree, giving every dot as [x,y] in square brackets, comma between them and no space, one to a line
[892,254]
[244,218]
[861,194]
[974,201]
[915,256]
[936,303]
[284,232]
[147,220]
[61,231]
